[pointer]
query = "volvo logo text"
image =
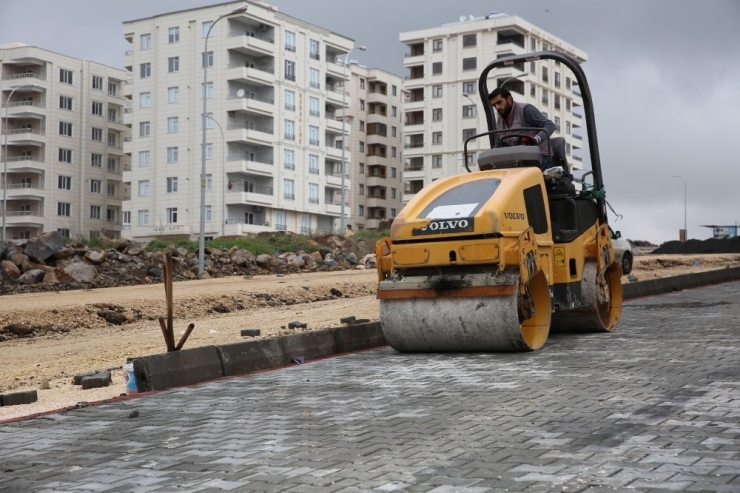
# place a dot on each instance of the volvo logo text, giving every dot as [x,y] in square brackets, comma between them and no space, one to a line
[513,215]
[437,226]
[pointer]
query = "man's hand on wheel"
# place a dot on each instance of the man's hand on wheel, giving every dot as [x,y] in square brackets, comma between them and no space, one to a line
[529,141]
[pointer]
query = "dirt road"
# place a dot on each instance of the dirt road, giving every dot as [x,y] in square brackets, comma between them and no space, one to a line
[77,340]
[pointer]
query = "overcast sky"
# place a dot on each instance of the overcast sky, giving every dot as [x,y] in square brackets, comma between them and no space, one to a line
[665,77]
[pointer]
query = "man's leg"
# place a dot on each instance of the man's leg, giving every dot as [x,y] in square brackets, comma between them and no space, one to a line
[545,162]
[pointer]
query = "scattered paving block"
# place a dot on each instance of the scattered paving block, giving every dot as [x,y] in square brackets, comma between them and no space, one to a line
[102,379]
[362,321]
[78,378]
[250,332]
[297,325]
[348,320]
[16,398]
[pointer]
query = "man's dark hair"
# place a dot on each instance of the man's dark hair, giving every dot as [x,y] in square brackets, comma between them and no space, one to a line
[499,91]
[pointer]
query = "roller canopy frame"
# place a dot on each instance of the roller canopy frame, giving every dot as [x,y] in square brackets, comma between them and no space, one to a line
[588,112]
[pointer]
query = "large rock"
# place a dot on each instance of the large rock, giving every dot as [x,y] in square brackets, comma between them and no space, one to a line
[10,269]
[134,249]
[63,254]
[54,275]
[316,255]
[265,260]
[3,250]
[349,257]
[122,244]
[44,246]
[241,257]
[32,277]
[81,272]
[18,259]
[95,258]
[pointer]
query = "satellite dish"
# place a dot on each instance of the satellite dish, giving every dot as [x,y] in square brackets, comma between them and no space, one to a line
[471,17]
[462,18]
[240,93]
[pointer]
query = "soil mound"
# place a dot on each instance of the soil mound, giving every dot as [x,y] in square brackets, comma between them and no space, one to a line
[711,245]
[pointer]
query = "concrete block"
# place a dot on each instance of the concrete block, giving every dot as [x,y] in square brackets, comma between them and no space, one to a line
[347,320]
[186,367]
[243,357]
[314,344]
[16,398]
[77,380]
[297,325]
[663,285]
[357,337]
[250,332]
[102,379]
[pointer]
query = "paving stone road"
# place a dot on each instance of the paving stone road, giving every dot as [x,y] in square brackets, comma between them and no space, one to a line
[654,406]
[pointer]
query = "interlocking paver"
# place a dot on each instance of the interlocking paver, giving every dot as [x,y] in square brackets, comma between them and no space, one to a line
[653,406]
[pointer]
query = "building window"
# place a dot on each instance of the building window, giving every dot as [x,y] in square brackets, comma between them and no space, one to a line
[174,35]
[207,90]
[205,28]
[313,164]
[394,91]
[280,221]
[64,209]
[112,115]
[556,121]
[393,172]
[362,104]
[470,63]
[144,129]
[172,184]
[362,126]
[289,41]
[436,68]
[556,102]
[206,59]
[208,216]
[172,154]
[289,103]
[96,160]
[533,90]
[394,132]
[145,70]
[436,137]
[173,64]
[66,76]
[567,82]
[97,108]
[545,97]
[545,76]
[94,212]
[173,125]
[288,159]
[467,133]
[143,218]
[437,161]
[469,87]
[289,129]
[288,190]
[173,94]
[532,44]
[171,215]
[470,40]
[65,102]
[393,151]
[557,79]
[97,134]
[209,120]
[314,76]
[110,190]
[532,68]
[97,82]
[143,159]
[112,88]
[437,45]
[313,135]
[361,211]
[361,189]
[209,151]
[146,41]
[313,193]
[361,169]
[567,104]
[437,114]
[436,91]
[289,70]
[394,111]
[64,182]
[145,100]
[313,106]
[469,111]
[110,215]
[143,188]
[65,155]
[126,219]
[362,146]
[314,49]
[65,129]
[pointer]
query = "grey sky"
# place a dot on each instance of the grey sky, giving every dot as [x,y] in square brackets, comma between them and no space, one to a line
[664,76]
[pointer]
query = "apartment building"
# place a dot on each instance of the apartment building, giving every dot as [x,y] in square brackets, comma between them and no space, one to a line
[443,106]
[62,119]
[273,146]
[376,118]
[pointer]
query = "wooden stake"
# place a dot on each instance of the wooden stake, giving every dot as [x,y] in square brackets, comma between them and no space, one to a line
[168,294]
[184,337]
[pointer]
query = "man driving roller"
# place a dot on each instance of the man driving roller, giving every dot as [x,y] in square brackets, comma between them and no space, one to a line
[514,115]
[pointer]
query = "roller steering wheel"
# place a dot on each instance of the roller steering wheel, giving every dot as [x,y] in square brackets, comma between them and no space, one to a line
[521,139]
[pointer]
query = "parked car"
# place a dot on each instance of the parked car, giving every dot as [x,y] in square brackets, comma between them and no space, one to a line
[623,251]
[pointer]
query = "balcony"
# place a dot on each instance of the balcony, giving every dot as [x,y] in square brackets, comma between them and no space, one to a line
[255,74]
[27,77]
[250,132]
[25,191]
[250,43]
[337,96]
[336,68]
[239,164]
[378,180]
[26,109]
[32,218]
[239,227]
[25,136]
[336,153]
[336,126]
[127,146]
[251,103]
[257,194]
[335,208]
[335,179]
[26,164]
[128,89]
[116,148]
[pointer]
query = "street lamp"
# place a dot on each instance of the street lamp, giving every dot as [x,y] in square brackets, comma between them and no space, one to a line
[201,238]
[685,231]
[344,133]
[5,161]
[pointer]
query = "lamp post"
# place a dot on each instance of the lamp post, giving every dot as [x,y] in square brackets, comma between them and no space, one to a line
[685,231]
[344,132]
[5,160]
[223,169]
[201,237]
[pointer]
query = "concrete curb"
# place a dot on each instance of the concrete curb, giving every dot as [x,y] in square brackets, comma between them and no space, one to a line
[677,283]
[191,366]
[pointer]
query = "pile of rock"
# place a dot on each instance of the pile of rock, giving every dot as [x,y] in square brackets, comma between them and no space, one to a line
[45,263]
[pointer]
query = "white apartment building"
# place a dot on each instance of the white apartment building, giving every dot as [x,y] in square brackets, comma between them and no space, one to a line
[273,146]
[377,142]
[443,106]
[64,129]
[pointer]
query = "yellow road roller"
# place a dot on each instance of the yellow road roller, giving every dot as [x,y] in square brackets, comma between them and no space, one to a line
[494,259]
